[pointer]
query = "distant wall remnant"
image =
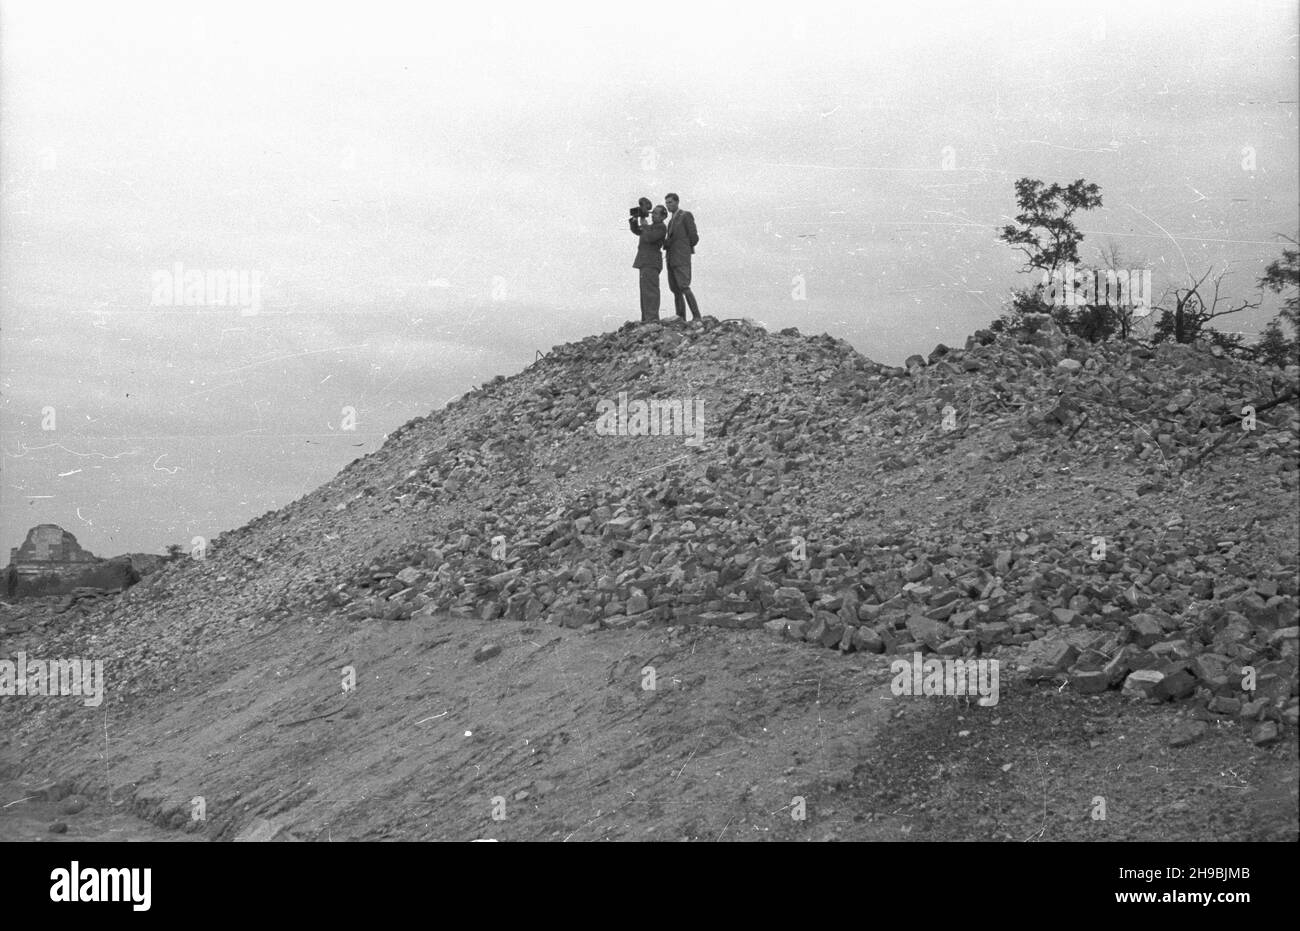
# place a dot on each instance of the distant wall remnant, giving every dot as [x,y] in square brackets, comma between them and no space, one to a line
[52,562]
[50,548]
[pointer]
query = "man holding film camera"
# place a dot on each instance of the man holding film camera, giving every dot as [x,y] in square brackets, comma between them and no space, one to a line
[649,259]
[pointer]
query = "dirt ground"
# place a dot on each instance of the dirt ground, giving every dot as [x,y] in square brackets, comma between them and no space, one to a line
[557,738]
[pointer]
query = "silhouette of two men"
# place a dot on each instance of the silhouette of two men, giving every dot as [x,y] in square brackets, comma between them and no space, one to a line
[677,238]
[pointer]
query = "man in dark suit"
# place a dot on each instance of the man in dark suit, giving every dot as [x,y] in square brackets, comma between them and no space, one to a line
[679,244]
[650,261]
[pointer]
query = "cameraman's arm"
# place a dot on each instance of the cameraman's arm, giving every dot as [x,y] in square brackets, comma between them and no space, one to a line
[653,235]
[690,230]
[635,224]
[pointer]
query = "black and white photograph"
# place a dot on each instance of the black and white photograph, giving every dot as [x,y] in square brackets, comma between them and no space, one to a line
[862,422]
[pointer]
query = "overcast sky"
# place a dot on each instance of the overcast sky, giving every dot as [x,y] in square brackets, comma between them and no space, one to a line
[426,197]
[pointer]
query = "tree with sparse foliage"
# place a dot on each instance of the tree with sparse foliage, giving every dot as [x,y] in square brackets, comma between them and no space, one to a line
[1045,233]
[1274,348]
[1282,276]
[1195,305]
[1044,229]
[174,552]
[1114,261]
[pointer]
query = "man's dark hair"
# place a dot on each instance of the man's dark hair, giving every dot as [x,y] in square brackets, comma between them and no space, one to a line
[672,195]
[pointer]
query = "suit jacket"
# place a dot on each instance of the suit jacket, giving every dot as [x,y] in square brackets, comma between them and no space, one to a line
[681,239]
[647,250]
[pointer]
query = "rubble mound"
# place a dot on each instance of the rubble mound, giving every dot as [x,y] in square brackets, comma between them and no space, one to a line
[1102,516]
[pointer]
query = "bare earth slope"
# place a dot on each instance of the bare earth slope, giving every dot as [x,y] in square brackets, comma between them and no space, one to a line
[547,633]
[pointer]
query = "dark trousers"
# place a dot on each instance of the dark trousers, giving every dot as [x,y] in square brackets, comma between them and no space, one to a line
[679,282]
[649,295]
